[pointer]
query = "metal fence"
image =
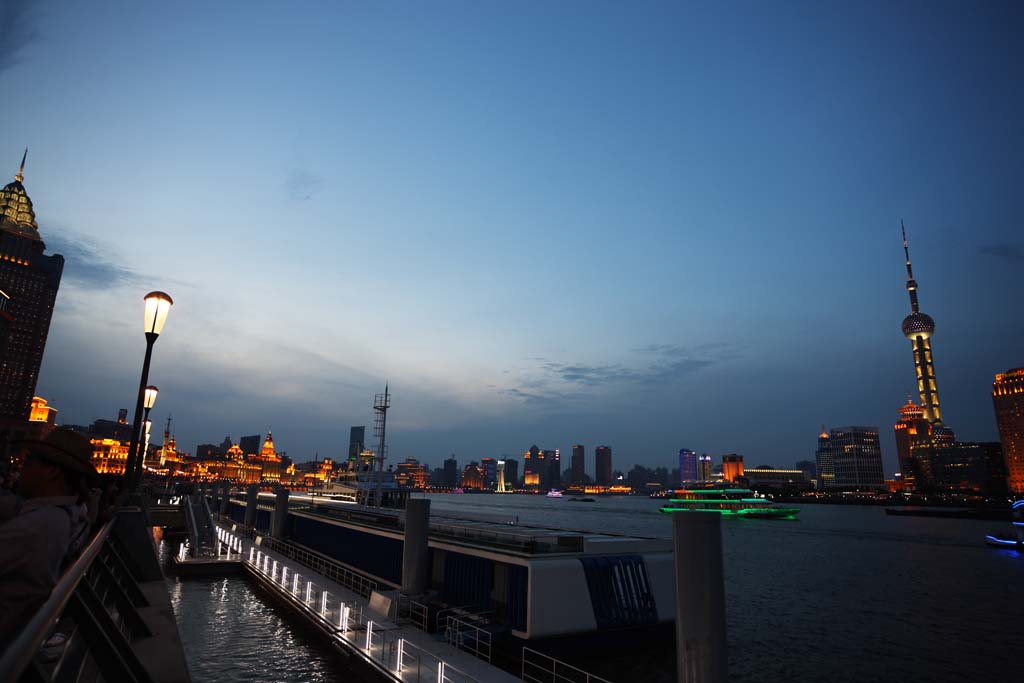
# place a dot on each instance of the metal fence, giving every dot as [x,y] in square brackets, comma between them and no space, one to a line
[540,668]
[86,626]
[468,637]
[413,612]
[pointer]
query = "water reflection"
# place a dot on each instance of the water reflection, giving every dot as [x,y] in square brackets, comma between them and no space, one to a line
[230,634]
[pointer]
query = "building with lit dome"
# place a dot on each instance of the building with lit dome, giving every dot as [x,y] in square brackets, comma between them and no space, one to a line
[29,280]
[912,429]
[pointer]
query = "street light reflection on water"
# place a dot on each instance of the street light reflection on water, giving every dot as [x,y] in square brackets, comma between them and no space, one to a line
[229,633]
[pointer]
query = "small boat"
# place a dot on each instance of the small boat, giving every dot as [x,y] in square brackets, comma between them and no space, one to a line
[554,493]
[583,500]
[1014,541]
[728,502]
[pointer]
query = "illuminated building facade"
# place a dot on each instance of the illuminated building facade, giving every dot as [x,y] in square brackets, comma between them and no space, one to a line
[42,412]
[912,429]
[775,478]
[1008,399]
[732,466]
[356,442]
[490,466]
[411,474]
[704,468]
[687,465]
[579,461]
[473,476]
[850,458]
[918,328]
[29,280]
[553,466]
[603,466]
[109,456]
[268,460]
[534,469]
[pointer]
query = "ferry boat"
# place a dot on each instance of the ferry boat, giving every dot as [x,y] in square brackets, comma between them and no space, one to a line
[1014,541]
[554,493]
[730,502]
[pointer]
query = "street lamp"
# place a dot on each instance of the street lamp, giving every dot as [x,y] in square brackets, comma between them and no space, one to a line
[145,441]
[158,304]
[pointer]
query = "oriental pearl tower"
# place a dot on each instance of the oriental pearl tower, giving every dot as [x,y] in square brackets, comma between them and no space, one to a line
[918,328]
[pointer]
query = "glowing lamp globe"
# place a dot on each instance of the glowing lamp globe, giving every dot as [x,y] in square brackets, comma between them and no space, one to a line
[149,398]
[158,304]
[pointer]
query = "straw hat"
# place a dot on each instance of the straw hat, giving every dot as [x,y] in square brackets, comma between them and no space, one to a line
[65,448]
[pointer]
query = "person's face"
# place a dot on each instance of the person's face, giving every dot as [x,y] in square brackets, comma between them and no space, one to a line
[39,478]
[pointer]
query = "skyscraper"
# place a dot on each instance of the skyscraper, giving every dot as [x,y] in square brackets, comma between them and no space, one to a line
[451,472]
[918,328]
[603,465]
[850,458]
[704,468]
[511,473]
[356,439]
[1008,397]
[553,463]
[579,469]
[687,465]
[30,279]
[535,471]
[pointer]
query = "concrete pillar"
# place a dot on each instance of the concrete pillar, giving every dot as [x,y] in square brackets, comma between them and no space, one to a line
[700,598]
[252,495]
[277,522]
[415,550]
[224,499]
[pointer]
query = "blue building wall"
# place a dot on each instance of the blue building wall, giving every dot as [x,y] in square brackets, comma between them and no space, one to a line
[377,555]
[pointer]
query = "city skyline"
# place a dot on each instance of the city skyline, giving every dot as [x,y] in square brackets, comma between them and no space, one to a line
[735,267]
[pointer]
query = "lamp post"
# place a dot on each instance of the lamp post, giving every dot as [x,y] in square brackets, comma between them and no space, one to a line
[158,304]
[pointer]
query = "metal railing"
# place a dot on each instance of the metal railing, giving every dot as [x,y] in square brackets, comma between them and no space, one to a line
[541,668]
[412,612]
[363,632]
[468,637]
[94,606]
[326,567]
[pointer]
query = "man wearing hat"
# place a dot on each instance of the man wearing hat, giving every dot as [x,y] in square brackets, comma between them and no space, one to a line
[45,526]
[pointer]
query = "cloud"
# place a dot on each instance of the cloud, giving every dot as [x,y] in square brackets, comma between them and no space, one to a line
[17,31]
[302,184]
[1012,253]
[667,364]
[87,263]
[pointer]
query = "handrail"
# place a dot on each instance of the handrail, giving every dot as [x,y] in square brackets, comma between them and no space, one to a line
[555,676]
[19,653]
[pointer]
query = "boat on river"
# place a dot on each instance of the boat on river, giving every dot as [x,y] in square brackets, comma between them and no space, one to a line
[1015,539]
[554,493]
[728,502]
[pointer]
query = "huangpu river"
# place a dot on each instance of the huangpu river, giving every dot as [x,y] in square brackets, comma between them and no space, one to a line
[844,593]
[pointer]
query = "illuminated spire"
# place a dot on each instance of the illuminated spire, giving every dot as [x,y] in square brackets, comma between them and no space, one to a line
[911,283]
[21,171]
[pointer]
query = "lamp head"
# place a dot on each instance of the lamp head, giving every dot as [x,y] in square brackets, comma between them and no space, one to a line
[149,397]
[157,306]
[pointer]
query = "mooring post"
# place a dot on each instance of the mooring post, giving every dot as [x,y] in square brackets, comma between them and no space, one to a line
[252,496]
[700,598]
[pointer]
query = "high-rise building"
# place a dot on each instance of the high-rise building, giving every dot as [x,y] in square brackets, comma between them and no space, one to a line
[850,458]
[473,476]
[5,322]
[603,466]
[451,472]
[912,429]
[704,468]
[511,473]
[1008,398]
[579,468]
[29,280]
[250,445]
[687,465]
[918,327]
[535,471]
[732,466]
[490,466]
[553,465]
[356,442]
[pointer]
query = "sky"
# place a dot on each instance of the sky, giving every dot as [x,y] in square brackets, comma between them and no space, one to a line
[647,225]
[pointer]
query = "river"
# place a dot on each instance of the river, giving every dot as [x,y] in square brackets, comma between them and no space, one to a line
[845,593]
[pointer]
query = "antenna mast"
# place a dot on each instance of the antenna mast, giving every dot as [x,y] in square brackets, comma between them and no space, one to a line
[381,403]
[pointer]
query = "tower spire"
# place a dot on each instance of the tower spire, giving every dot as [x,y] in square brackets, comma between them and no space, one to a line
[21,170]
[911,283]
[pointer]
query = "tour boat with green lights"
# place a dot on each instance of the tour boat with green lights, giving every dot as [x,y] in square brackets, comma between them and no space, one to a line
[730,502]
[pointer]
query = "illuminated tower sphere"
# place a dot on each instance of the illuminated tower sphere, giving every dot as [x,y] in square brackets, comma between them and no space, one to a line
[918,327]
